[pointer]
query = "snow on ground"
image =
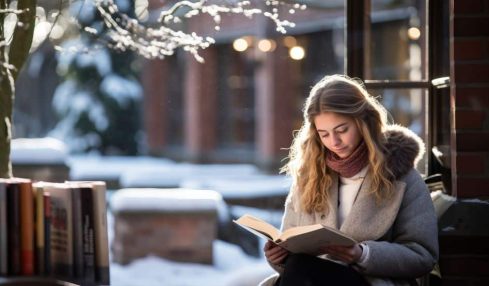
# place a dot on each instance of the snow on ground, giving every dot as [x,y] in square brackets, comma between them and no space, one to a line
[232,267]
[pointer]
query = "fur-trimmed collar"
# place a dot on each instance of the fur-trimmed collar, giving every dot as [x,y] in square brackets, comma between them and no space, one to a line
[403,149]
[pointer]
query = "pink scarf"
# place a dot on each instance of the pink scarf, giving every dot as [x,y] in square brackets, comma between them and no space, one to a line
[351,165]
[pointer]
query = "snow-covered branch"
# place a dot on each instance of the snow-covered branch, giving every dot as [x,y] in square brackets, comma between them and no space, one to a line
[126,33]
[12,11]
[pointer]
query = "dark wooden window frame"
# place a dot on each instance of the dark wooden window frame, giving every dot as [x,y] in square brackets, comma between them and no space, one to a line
[357,36]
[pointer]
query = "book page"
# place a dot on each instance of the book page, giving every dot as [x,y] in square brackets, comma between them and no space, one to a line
[311,239]
[258,227]
[298,230]
[309,228]
[308,239]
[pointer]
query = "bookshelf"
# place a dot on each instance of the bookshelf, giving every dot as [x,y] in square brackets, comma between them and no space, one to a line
[53,233]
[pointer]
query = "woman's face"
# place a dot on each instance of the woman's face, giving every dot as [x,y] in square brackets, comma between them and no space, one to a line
[338,133]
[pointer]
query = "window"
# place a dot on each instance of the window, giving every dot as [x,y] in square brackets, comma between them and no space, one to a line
[236,105]
[175,118]
[394,54]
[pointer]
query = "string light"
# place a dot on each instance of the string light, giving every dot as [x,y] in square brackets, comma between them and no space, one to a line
[240,45]
[297,53]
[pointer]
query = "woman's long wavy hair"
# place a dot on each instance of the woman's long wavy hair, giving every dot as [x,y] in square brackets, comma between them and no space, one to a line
[312,178]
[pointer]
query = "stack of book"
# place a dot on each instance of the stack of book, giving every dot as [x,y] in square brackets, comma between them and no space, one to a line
[435,183]
[54,229]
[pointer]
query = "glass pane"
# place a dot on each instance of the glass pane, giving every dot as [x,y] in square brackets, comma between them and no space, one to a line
[320,31]
[313,48]
[236,105]
[321,34]
[324,55]
[407,107]
[397,46]
[174,116]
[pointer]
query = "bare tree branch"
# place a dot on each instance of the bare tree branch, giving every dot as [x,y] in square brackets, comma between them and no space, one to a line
[22,37]
[11,11]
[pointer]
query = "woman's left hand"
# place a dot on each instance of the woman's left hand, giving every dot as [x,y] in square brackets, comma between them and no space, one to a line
[347,254]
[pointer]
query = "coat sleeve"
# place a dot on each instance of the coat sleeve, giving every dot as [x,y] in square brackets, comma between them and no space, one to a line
[412,249]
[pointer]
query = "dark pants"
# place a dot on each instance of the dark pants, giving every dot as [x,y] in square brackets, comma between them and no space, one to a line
[306,270]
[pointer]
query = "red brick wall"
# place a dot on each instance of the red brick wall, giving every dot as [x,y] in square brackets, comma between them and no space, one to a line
[276,81]
[464,250]
[200,105]
[155,106]
[469,69]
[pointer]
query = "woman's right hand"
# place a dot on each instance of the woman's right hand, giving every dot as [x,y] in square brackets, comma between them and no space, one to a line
[274,253]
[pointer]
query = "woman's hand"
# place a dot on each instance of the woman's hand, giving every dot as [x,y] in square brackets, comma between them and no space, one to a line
[347,254]
[274,253]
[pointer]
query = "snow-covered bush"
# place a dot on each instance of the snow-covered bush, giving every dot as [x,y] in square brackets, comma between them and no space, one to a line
[98,101]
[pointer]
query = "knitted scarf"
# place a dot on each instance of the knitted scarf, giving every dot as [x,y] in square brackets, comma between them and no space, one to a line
[351,165]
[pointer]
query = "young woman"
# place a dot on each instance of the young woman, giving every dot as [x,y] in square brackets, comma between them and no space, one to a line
[353,172]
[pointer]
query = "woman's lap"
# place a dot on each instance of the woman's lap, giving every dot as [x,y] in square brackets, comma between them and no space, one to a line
[302,269]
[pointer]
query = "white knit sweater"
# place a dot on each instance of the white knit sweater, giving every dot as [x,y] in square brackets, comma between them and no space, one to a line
[348,191]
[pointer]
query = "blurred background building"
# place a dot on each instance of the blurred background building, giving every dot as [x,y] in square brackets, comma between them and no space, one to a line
[244,103]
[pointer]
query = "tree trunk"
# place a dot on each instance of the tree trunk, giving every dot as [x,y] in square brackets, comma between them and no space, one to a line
[11,61]
[6,97]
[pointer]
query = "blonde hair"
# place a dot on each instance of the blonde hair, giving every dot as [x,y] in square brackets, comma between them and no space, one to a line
[307,157]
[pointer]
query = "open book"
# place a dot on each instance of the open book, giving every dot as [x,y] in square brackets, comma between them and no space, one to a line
[301,239]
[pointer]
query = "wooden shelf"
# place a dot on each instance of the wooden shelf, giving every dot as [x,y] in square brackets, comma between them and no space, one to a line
[33,281]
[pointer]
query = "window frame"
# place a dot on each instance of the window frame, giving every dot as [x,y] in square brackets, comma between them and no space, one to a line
[358,19]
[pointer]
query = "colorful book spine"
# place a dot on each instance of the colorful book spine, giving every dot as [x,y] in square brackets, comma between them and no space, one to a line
[26,228]
[61,239]
[88,234]
[102,269]
[54,229]
[13,229]
[3,230]
[77,232]
[39,228]
[101,239]
[47,233]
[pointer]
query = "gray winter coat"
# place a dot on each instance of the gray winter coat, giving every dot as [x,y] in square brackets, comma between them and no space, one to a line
[401,233]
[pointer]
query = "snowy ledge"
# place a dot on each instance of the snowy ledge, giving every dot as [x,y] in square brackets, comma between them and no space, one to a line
[90,167]
[37,151]
[164,200]
[173,175]
[244,186]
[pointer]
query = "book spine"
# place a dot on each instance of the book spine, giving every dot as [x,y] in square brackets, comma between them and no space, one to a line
[13,229]
[101,235]
[47,233]
[88,236]
[77,233]
[61,233]
[40,235]
[3,230]
[26,229]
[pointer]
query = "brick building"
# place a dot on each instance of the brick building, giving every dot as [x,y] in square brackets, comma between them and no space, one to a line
[428,59]
[465,255]
[243,105]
